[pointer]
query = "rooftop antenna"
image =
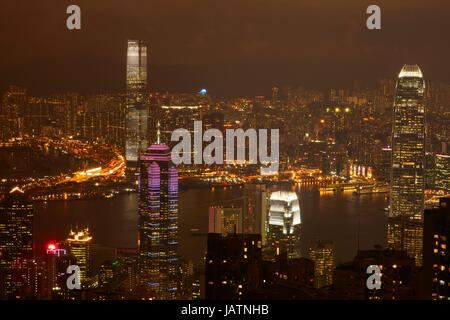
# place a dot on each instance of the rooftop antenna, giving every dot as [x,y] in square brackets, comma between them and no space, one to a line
[158,134]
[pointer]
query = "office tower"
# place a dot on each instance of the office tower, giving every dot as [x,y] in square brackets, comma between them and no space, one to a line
[256,209]
[108,270]
[178,112]
[158,222]
[442,172]
[79,245]
[322,253]
[405,223]
[232,265]
[136,118]
[284,223]
[53,268]
[16,245]
[430,170]
[225,220]
[127,261]
[400,278]
[436,256]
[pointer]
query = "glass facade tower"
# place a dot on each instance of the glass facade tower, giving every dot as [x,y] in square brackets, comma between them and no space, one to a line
[322,253]
[405,222]
[158,223]
[136,102]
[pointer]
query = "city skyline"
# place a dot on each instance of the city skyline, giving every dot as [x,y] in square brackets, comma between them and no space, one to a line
[119,118]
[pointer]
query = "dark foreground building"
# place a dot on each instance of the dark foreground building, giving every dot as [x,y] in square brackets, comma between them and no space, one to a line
[17,268]
[436,266]
[400,278]
[232,266]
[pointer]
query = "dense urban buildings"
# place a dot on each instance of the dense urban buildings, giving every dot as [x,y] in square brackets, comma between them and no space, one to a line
[349,157]
[158,222]
[405,228]
[322,151]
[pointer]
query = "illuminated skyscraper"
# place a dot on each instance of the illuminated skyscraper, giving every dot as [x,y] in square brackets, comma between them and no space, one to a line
[442,172]
[158,223]
[322,253]
[16,244]
[284,223]
[53,267]
[136,102]
[79,245]
[405,224]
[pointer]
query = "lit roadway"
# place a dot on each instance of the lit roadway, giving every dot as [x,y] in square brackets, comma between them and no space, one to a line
[111,162]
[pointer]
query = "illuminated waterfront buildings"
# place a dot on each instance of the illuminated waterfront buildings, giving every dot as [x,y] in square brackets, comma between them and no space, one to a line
[322,253]
[436,256]
[136,117]
[79,245]
[405,228]
[158,223]
[284,223]
[16,244]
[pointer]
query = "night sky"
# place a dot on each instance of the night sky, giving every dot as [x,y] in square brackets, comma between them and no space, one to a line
[231,47]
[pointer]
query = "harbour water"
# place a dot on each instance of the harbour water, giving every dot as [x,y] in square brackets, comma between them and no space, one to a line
[113,222]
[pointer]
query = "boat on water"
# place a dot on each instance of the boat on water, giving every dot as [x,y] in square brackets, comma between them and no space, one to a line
[371,189]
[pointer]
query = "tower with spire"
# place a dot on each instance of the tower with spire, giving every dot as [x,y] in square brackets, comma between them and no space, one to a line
[158,221]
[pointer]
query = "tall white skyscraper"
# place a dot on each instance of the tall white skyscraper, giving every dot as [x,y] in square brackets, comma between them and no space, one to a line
[136,102]
[405,223]
[283,223]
